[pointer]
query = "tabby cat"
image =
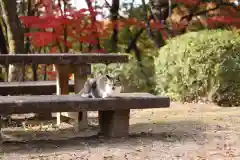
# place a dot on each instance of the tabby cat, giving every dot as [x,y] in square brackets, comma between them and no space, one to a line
[101,87]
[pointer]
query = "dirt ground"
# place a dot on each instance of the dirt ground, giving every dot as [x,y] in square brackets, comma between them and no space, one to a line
[183,131]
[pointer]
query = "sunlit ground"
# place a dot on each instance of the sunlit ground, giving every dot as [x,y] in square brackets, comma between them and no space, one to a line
[183,131]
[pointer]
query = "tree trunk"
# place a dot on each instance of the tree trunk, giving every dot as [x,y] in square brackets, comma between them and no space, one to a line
[15,35]
[3,50]
[93,19]
[114,16]
[3,46]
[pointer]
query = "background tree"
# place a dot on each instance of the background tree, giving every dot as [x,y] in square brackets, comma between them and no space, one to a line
[15,36]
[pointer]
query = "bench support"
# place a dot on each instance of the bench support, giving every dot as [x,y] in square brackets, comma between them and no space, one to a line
[1,129]
[80,121]
[114,123]
[80,77]
[62,84]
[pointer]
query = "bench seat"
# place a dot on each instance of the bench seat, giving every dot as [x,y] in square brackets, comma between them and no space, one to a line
[113,112]
[31,87]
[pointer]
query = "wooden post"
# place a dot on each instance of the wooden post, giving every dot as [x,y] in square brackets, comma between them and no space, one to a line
[80,121]
[62,83]
[114,123]
[80,77]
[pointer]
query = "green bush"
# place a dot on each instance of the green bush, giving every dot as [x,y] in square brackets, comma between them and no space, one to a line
[200,64]
[133,77]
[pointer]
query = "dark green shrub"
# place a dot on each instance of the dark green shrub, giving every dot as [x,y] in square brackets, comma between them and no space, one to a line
[134,77]
[200,64]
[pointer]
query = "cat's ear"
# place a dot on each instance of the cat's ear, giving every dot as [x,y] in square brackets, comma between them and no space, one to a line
[108,77]
[118,78]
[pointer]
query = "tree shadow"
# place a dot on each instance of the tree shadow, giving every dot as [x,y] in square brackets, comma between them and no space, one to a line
[167,132]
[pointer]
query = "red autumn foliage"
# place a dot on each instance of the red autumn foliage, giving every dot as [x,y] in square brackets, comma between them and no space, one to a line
[189,2]
[80,26]
[225,19]
[40,39]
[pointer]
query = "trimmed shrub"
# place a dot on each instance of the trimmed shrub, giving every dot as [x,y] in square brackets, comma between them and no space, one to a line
[200,64]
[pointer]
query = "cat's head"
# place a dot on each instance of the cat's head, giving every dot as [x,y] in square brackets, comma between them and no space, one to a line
[115,81]
[112,84]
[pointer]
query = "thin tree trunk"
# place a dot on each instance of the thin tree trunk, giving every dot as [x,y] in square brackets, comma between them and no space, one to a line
[45,72]
[114,16]
[93,19]
[149,30]
[15,35]
[3,50]
[45,66]
[3,46]
[66,49]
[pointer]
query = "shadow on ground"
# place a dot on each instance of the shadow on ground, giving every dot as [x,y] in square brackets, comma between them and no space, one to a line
[147,132]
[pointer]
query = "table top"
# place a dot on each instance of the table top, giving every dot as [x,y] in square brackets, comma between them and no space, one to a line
[63,58]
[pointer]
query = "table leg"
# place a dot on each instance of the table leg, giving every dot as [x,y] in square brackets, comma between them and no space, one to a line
[62,84]
[80,77]
[114,123]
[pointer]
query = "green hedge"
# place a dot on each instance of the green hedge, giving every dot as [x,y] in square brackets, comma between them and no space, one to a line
[200,64]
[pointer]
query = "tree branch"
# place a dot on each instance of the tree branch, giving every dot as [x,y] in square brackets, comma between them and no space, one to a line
[133,40]
[148,28]
[192,14]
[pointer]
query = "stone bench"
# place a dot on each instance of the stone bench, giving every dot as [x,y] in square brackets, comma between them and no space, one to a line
[113,112]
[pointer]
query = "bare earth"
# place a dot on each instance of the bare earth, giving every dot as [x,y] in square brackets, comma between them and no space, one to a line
[183,131]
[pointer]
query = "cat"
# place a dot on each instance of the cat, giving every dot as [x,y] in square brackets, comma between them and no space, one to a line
[101,87]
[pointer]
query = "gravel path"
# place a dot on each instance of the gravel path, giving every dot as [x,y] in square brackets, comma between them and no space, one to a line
[183,131]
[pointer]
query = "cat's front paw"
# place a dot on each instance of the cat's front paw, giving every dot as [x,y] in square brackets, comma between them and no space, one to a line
[86,95]
[105,95]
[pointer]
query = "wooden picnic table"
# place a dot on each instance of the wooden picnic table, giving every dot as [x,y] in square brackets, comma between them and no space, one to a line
[65,63]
